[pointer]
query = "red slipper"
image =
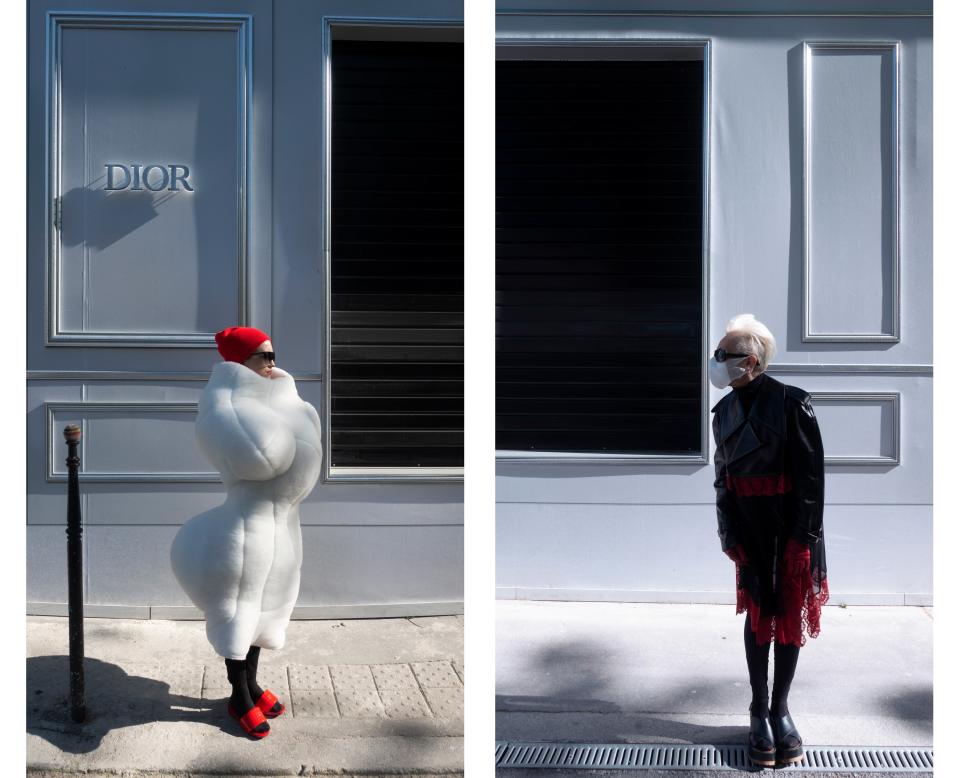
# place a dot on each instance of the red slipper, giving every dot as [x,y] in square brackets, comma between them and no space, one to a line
[270,705]
[250,720]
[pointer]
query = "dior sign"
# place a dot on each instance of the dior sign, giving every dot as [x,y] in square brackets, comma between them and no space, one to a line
[150,177]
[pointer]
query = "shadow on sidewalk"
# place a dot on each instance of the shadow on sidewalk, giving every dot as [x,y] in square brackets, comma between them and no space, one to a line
[908,704]
[114,699]
[582,698]
[588,721]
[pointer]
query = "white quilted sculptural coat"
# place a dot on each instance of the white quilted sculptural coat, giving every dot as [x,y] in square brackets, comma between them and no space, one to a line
[240,562]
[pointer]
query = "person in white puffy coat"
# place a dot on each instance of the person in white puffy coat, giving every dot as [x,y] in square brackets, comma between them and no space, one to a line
[239,563]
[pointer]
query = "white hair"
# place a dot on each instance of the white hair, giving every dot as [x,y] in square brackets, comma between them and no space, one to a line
[751,336]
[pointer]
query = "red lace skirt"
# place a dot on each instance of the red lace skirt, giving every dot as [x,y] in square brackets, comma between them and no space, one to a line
[800,595]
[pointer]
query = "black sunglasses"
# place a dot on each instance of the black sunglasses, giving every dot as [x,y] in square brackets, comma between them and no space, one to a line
[268,356]
[722,356]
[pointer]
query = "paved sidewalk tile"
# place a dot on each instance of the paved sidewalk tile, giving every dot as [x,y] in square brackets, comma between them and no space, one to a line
[357,704]
[352,677]
[215,679]
[274,678]
[435,674]
[313,704]
[405,704]
[214,695]
[184,680]
[106,672]
[420,690]
[306,677]
[458,666]
[356,692]
[446,702]
[394,678]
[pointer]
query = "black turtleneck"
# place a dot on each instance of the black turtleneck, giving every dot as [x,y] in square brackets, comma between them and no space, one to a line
[747,393]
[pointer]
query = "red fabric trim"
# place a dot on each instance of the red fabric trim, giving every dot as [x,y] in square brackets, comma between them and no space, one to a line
[801,599]
[759,485]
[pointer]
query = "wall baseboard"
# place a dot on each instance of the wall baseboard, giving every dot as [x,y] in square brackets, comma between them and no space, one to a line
[304,612]
[922,599]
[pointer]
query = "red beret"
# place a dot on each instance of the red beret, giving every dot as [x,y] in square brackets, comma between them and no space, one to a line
[236,344]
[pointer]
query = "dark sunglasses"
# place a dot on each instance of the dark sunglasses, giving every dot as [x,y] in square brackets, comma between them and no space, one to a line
[722,356]
[268,356]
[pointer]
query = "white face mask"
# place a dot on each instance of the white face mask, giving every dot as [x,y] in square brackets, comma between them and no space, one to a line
[723,373]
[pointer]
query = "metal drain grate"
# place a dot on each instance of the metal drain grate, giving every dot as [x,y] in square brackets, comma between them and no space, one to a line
[593,756]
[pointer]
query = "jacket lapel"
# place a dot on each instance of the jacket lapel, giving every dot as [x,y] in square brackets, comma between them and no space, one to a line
[731,416]
[746,442]
[737,431]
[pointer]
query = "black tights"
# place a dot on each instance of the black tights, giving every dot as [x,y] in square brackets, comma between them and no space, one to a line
[784,665]
[242,674]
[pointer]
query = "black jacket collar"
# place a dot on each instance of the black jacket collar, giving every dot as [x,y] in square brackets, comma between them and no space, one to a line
[767,410]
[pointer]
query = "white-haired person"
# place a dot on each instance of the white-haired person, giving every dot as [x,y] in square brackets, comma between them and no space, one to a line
[769,488]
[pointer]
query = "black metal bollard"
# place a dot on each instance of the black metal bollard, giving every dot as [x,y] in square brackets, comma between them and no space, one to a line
[75,575]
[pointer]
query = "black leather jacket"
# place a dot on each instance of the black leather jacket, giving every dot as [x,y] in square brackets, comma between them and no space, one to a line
[769,469]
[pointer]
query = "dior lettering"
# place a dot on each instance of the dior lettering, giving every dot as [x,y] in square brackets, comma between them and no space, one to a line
[153,178]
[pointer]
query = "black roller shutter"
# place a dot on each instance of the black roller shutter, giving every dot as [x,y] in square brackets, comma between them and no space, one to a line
[397,254]
[599,256]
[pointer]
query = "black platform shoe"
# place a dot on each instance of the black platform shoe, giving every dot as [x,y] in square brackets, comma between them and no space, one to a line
[761,742]
[785,732]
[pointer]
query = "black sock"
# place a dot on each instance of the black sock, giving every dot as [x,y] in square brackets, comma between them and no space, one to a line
[240,696]
[758,658]
[253,659]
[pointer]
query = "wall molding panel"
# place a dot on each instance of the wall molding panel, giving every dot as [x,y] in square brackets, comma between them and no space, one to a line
[851,151]
[86,414]
[57,332]
[888,400]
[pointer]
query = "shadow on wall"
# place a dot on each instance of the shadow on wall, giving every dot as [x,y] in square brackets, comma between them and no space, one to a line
[98,219]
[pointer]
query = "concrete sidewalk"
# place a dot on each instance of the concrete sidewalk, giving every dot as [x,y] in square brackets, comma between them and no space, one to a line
[639,673]
[363,697]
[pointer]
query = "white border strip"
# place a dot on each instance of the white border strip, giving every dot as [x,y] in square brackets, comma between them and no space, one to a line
[542,594]
[300,612]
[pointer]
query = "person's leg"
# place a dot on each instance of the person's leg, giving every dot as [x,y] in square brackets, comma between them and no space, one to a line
[253,660]
[761,741]
[758,658]
[240,699]
[785,656]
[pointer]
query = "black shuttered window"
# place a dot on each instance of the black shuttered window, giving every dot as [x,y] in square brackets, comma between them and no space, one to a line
[396,266]
[599,256]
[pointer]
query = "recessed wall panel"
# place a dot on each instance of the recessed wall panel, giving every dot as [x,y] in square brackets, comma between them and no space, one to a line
[149,162]
[133,442]
[851,192]
[859,427]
